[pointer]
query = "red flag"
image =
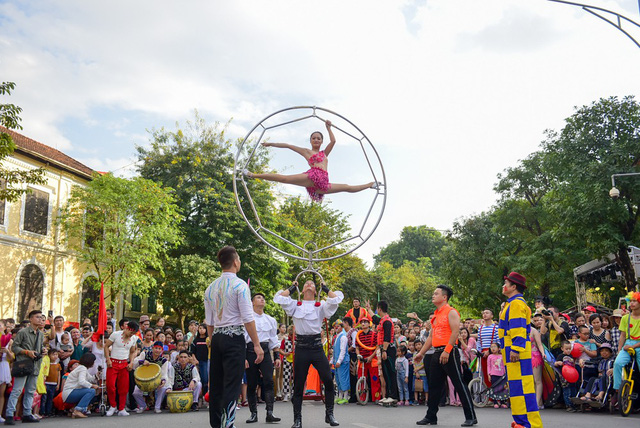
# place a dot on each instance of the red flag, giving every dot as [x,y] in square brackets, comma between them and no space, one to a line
[102,316]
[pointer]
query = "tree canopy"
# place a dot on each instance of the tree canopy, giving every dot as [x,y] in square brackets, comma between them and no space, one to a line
[123,229]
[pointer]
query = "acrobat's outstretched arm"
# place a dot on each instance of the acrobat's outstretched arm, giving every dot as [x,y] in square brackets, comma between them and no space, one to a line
[299,150]
[332,138]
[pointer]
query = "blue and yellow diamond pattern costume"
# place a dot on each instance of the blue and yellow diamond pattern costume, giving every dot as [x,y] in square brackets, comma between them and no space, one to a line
[513,333]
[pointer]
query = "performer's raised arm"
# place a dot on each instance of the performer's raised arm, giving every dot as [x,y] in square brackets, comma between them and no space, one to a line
[283,298]
[332,138]
[333,301]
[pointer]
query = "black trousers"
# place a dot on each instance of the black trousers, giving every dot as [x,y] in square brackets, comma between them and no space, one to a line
[438,379]
[225,378]
[353,376]
[302,359]
[253,377]
[389,372]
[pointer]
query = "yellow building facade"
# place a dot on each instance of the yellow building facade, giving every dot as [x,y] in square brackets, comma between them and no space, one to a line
[36,269]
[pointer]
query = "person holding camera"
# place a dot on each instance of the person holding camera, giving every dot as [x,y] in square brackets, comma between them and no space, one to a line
[27,347]
[554,330]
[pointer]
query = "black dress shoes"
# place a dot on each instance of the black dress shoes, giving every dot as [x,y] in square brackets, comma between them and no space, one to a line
[425,421]
[253,418]
[30,419]
[469,423]
[331,420]
[270,418]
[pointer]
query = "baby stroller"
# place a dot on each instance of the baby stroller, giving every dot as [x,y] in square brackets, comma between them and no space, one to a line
[604,383]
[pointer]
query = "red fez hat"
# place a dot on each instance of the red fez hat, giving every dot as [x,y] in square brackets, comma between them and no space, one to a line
[516,278]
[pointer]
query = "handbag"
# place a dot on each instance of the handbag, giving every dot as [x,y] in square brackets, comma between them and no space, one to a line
[418,387]
[23,368]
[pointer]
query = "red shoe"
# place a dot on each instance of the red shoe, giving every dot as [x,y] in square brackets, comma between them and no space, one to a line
[516,425]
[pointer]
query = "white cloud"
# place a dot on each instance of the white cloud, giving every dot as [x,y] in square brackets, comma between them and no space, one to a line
[451,92]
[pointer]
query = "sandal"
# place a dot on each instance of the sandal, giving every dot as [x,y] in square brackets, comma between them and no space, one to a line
[77,414]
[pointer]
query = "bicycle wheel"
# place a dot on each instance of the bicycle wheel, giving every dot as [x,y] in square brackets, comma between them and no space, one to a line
[624,398]
[362,391]
[479,393]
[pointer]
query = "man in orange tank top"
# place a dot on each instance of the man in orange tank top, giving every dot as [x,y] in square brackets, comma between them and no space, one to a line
[445,327]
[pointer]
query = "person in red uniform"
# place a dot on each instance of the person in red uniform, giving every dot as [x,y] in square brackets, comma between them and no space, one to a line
[367,356]
[445,327]
[387,350]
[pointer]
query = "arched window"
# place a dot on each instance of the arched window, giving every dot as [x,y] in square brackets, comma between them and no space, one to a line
[30,292]
[90,304]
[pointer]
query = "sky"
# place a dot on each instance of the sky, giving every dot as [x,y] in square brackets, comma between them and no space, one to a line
[450,93]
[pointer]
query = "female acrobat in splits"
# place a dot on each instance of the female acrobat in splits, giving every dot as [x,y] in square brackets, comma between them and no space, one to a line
[316,179]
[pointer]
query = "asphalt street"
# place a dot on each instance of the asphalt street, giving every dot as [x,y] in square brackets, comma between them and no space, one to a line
[350,416]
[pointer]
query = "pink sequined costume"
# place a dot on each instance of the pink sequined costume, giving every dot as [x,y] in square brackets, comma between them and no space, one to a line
[319,176]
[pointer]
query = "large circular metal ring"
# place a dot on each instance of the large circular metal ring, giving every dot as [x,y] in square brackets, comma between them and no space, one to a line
[250,144]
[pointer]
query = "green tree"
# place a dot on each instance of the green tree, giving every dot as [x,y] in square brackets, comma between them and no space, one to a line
[10,178]
[197,162]
[122,229]
[187,277]
[598,140]
[476,260]
[415,243]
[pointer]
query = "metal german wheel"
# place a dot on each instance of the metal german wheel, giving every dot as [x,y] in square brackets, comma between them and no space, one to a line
[247,150]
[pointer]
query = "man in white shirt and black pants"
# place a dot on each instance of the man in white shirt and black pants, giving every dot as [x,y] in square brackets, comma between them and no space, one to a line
[307,319]
[267,329]
[228,312]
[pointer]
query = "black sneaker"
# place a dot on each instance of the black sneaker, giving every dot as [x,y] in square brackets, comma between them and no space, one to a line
[9,420]
[30,419]
[425,421]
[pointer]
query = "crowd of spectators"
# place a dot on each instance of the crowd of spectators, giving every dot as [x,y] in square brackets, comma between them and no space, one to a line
[49,367]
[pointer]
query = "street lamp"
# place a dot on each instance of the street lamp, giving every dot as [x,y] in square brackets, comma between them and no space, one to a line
[615,192]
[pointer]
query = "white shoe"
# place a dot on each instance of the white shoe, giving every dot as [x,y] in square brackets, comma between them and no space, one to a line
[2,420]
[123,413]
[138,410]
[286,398]
[157,410]
[111,411]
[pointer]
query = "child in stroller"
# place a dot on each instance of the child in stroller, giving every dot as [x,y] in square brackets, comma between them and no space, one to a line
[595,392]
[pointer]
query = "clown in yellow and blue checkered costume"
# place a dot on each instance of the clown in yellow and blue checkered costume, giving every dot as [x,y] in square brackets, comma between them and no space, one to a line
[513,332]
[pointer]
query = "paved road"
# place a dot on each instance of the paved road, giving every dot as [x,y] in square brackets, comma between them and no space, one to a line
[349,416]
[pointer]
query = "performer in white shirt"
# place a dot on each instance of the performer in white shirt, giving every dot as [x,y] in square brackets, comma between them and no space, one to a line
[307,319]
[228,311]
[267,329]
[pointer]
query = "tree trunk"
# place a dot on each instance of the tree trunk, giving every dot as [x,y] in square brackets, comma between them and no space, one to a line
[545,289]
[626,266]
[180,318]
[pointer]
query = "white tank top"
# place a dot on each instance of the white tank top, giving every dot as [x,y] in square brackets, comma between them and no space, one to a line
[120,349]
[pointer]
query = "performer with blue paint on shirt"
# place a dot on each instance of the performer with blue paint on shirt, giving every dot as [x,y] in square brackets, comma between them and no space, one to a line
[228,312]
[514,329]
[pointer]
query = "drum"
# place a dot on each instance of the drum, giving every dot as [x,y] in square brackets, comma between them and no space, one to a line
[179,401]
[148,377]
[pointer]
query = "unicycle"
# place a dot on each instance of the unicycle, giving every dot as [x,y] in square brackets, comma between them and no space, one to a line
[626,395]
[362,388]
